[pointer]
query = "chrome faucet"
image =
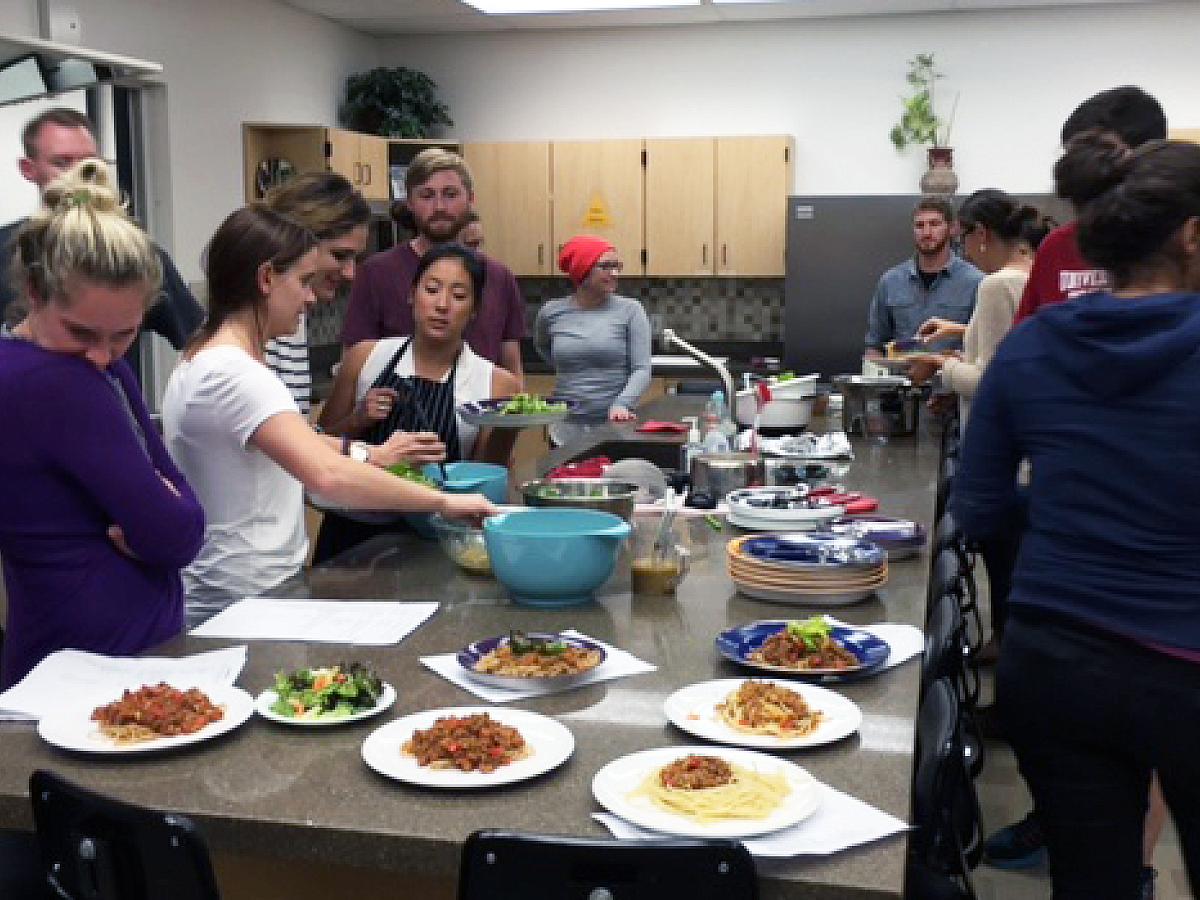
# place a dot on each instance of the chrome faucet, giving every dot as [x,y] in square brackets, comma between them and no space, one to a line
[669,337]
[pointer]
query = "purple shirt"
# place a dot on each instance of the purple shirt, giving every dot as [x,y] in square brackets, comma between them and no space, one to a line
[71,465]
[379,304]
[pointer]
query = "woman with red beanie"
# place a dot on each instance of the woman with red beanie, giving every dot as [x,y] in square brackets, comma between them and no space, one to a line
[597,340]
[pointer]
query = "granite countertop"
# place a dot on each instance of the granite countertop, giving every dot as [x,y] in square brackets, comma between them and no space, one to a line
[294,794]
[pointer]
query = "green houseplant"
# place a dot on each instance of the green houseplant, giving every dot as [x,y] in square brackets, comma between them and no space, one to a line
[920,124]
[393,102]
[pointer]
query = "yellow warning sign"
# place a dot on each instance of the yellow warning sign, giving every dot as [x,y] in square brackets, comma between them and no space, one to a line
[597,213]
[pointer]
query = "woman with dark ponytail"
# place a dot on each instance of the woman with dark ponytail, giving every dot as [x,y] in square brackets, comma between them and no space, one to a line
[1000,236]
[1098,686]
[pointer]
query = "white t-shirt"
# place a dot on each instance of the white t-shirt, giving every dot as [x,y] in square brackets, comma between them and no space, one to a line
[254,536]
[472,380]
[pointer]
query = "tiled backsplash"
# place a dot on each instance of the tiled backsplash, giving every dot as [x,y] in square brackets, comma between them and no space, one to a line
[698,309]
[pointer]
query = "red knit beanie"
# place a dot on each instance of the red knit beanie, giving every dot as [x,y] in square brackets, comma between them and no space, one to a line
[580,253]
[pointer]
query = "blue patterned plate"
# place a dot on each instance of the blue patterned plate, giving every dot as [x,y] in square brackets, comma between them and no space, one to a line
[737,644]
[898,537]
[488,413]
[469,656]
[813,550]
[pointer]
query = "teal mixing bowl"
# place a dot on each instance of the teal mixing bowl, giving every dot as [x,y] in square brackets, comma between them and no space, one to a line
[553,557]
[461,478]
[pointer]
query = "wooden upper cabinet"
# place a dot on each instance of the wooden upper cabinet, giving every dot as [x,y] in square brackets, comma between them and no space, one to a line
[754,177]
[597,189]
[512,197]
[1185,134]
[680,224]
[373,168]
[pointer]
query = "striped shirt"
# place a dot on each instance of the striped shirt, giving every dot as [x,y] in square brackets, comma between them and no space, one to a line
[287,357]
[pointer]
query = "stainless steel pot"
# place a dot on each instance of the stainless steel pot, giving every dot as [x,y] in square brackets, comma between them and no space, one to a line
[719,473]
[605,495]
[899,402]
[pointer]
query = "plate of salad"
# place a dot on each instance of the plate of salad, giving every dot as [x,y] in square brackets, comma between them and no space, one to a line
[517,411]
[325,695]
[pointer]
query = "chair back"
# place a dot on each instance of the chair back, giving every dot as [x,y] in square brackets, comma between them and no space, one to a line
[96,848]
[948,834]
[498,865]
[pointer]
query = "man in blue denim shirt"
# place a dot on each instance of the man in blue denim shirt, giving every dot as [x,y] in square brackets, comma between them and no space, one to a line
[934,282]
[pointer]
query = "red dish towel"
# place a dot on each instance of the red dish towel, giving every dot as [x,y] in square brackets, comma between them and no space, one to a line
[585,468]
[662,428]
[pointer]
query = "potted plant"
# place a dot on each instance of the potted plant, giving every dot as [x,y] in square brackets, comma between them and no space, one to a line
[393,102]
[920,124]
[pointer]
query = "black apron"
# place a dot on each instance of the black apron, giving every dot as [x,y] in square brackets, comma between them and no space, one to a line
[422,405]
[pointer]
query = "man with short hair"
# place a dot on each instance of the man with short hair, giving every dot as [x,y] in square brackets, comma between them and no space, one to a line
[935,282]
[54,141]
[440,193]
[1060,271]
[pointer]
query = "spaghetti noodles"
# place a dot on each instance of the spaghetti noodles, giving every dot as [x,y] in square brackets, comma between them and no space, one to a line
[156,711]
[759,707]
[791,651]
[537,659]
[709,789]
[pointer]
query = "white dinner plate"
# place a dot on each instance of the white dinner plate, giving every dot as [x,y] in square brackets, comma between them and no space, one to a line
[694,709]
[264,701]
[614,783]
[798,598]
[73,729]
[551,742]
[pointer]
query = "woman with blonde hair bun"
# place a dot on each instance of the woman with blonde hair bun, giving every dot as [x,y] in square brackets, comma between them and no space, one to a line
[95,519]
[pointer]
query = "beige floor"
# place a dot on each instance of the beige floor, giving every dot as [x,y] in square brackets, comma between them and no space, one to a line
[1003,799]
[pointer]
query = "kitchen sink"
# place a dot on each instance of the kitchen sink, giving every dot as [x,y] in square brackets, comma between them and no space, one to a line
[664,454]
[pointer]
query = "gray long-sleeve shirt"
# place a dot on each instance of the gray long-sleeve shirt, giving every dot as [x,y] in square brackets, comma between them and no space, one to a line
[601,356]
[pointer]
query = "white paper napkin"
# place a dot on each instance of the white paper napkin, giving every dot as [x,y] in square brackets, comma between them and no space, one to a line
[617,664]
[840,822]
[906,641]
[373,623]
[73,675]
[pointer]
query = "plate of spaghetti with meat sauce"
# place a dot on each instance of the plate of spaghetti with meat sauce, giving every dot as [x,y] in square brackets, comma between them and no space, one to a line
[518,660]
[149,718]
[767,713]
[707,792]
[468,747]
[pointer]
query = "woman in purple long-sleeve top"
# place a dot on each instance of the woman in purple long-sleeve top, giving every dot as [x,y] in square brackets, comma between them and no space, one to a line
[95,519]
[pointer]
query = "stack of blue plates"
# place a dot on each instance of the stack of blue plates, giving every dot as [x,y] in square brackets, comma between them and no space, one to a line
[900,538]
[807,567]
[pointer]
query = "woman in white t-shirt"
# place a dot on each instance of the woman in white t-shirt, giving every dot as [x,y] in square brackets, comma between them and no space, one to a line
[414,384]
[235,431]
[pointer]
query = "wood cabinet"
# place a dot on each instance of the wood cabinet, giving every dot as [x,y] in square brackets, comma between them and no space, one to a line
[364,159]
[597,189]
[512,197]
[680,206]
[753,179]
[1185,134]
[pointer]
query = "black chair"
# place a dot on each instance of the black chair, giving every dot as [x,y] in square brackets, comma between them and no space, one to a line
[946,658]
[499,865]
[96,848]
[949,574]
[947,838]
[945,486]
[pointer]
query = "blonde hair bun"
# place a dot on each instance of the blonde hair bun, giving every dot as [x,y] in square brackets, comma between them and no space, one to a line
[85,186]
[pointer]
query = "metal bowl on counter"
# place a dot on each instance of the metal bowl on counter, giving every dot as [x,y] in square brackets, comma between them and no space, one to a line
[719,473]
[602,494]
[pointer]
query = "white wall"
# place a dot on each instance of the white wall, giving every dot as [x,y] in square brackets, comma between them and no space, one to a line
[225,62]
[834,84]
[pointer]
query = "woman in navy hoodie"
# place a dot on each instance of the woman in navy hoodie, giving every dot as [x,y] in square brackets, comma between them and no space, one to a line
[1099,682]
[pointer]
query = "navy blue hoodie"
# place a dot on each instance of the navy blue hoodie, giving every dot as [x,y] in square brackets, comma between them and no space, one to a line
[1102,395]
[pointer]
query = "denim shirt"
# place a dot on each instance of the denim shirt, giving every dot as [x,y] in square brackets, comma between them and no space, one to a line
[901,303]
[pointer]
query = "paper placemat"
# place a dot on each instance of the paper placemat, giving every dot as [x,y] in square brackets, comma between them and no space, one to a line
[840,822]
[617,664]
[77,675]
[906,641]
[373,623]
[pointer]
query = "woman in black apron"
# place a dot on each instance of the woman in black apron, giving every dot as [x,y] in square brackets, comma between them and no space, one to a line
[448,284]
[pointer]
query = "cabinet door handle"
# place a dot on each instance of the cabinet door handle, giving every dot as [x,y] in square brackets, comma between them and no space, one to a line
[367,169]
[704,254]
[358,173]
[541,255]
[724,255]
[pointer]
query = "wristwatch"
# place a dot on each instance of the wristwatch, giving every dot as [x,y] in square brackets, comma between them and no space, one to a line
[359,451]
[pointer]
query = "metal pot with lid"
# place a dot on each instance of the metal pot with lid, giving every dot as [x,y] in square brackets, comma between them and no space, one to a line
[899,402]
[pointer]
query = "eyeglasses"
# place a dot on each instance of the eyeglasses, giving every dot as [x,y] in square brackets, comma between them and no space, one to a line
[614,265]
